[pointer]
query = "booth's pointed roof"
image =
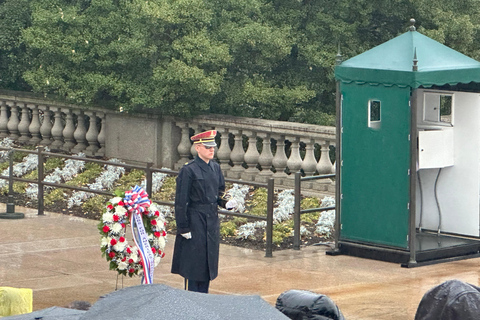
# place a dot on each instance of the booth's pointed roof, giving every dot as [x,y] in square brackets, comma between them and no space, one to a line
[410,59]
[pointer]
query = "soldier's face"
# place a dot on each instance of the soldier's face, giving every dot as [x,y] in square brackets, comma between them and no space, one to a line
[205,153]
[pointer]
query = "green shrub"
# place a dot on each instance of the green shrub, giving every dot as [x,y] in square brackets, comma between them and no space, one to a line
[167,191]
[258,203]
[228,229]
[129,180]
[53,196]
[91,172]
[95,205]
[281,231]
[52,163]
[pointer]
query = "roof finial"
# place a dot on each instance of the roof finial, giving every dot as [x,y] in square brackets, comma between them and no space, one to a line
[412,25]
[415,61]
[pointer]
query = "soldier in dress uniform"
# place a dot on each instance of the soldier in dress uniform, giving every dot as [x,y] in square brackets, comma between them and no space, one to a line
[200,189]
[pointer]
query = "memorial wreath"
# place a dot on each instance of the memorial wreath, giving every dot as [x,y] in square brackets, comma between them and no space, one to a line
[148,229]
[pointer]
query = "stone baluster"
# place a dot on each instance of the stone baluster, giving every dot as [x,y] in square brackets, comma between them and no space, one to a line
[183,147]
[3,120]
[13,121]
[294,162]
[46,127]
[324,165]
[237,155]
[69,141]
[80,133]
[223,152]
[24,124]
[251,156]
[101,135]
[280,160]
[196,129]
[34,127]
[92,135]
[57,130]
[265,159]
[309,164]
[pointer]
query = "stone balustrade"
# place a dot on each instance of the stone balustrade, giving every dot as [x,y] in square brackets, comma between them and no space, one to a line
[248,149]
[59,127]
[255,150]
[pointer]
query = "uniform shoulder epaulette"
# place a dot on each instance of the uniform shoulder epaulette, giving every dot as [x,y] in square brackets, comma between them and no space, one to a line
[189,162]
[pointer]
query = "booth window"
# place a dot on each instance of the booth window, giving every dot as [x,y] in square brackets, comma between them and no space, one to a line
[374,112]
[438,108]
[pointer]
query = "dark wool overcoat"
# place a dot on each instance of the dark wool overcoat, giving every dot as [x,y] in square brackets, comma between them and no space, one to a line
[200,189]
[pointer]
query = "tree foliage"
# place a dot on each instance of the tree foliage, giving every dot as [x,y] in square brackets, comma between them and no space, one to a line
[271,59]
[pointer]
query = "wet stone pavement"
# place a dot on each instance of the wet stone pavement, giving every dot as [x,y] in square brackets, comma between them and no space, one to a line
[59,258]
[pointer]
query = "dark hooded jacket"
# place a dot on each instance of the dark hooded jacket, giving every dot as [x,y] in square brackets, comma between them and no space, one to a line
[200,189]
[451,300]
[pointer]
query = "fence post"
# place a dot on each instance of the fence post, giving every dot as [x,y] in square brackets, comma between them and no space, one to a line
[269,230]
[11,214]
[41,208]
[296,212]
[148,177]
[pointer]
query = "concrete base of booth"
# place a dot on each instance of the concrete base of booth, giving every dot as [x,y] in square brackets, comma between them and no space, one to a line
[431,248]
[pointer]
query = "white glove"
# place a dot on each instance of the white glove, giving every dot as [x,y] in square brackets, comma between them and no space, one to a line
[232,203]
[187,235]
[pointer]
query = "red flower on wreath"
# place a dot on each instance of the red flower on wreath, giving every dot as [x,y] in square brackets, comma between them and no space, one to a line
[113,242]
[111,254]
[121,239]
[106,229]
[157,234]
[110,207]
[116,218]
[153,222]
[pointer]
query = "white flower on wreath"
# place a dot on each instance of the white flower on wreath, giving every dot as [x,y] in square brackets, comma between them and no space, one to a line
[117,228]
[107,217]
[122,265]
[121,211]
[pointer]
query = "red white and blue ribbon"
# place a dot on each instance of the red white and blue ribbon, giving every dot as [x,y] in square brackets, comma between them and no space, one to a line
[137,202]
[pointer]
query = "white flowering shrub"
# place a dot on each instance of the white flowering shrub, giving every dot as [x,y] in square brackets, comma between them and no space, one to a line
[282,211]
[284,207]
[29,163]
[326,222]
[238,192]
[103,182]
[247,231]
[157,181]
[5,143]
[71,168]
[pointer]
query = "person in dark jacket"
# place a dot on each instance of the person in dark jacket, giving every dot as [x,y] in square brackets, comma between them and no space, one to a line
[200,190]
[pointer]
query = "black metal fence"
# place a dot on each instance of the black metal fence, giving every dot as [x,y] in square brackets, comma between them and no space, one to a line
[297,209]
[148,169]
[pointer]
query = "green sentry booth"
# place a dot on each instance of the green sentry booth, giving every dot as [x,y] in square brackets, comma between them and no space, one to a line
[408,151]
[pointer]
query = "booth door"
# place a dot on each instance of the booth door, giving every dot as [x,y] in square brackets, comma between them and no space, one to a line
[375,162]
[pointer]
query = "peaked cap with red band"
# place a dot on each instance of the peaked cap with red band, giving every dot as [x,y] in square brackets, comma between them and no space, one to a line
[207,138]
